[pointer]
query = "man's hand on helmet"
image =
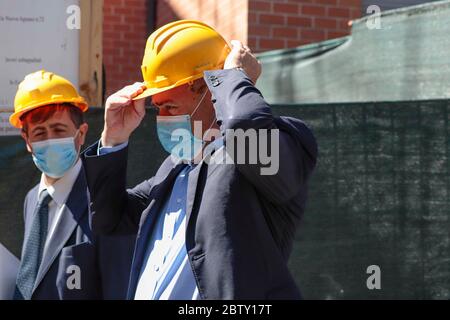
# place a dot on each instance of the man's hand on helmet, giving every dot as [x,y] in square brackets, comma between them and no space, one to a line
[122,115]
[242,57]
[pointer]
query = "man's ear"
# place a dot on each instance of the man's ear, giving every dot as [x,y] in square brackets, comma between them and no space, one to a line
[25,137]
[83,132]
[198,86]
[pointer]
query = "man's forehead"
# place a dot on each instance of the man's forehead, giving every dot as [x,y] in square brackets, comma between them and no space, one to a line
[171,95]
[49,113]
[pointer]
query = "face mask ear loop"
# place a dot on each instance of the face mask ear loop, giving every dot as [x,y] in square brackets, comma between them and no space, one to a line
[200,102]
[74,137]
[212,123]
[31,146]
[206,132]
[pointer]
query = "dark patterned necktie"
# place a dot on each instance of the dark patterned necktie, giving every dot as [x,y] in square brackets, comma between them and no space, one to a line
[33,250]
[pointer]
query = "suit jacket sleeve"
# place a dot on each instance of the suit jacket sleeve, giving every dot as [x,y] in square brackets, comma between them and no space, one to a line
[115,209]
[240,105]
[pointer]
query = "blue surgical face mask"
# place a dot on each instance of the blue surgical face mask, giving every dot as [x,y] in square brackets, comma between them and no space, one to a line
[55,157]
[176,137]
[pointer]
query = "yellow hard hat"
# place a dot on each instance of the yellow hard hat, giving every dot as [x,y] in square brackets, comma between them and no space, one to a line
[43,88]
[178,53]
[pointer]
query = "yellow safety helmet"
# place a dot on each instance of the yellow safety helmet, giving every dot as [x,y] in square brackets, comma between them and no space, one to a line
[43,88]
[179,53]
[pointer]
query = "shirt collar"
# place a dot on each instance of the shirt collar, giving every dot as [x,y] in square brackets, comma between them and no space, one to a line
[60,190]
[208,150]
[212,146]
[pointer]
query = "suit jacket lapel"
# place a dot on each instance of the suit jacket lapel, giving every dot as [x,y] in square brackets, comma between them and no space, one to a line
[163,181]
[165,174]
[192,190]
[193,183]
[74,209]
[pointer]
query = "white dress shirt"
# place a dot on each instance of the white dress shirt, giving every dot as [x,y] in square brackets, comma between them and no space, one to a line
[166,273]
[59,192]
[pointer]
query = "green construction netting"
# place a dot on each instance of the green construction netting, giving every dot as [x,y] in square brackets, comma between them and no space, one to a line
[380,196]
[407,58]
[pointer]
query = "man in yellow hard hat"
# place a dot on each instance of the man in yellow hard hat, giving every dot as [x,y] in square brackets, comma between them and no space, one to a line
[211,223]
[60,256]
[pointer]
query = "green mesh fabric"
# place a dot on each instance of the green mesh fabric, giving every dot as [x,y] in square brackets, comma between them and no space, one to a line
[380,196]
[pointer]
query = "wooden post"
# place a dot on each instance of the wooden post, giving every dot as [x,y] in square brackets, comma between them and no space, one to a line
[91,58]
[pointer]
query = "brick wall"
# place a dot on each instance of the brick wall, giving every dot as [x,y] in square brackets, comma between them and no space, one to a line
[263,24]
[267,24]
[278,24]
[124,37]
[228,17]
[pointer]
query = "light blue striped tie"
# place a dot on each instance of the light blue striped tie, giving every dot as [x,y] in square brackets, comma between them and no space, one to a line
[33,250]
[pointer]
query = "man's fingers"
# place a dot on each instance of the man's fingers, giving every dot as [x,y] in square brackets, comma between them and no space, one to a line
[139,86]
[139,107]
[236,43]
[136,93]
[136,85]
[241,56]
[117,102]
[132,91]
[237,46]
[133,86]
[240,47]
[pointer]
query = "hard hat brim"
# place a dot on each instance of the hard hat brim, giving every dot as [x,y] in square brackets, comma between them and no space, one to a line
[152,91]
[14,119]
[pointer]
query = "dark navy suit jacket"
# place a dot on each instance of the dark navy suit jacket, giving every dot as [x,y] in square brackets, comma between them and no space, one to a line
[240,224]
[104,262]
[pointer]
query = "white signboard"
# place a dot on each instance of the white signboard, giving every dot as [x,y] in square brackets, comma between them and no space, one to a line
[6,129]
[36,35]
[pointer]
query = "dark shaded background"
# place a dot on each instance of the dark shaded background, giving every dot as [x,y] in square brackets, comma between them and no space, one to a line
[380,196]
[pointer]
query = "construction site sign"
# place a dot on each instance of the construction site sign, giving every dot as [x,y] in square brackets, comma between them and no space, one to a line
[35,35]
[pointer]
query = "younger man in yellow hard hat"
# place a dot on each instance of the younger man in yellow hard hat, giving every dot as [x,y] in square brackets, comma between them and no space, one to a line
[60,257]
